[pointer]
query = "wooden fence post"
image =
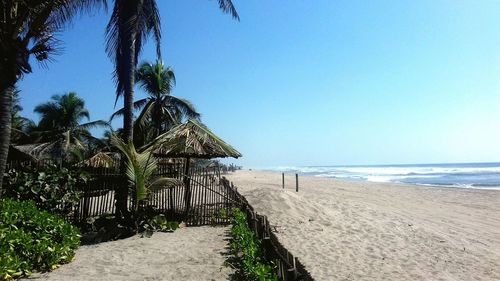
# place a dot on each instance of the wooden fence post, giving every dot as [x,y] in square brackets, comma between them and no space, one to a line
[297,182]
[283,180]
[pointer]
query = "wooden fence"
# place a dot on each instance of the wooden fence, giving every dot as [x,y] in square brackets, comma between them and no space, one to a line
[288,266]
[211,199]
[205,202]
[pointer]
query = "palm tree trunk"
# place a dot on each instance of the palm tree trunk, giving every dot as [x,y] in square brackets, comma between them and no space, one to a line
[127,73]
[128,95]
[128,119]
[5,125]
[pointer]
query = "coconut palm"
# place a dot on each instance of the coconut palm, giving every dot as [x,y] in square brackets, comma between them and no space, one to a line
[132,21]
[130,24]
[140,169]
[160,108]
[60,124]
[27,30]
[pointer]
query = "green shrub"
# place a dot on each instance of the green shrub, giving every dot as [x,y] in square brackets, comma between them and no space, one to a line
[158,223]
[247,248]
[31,239]
[53,189]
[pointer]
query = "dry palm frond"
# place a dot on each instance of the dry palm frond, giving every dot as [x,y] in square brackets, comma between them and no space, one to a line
[193,139]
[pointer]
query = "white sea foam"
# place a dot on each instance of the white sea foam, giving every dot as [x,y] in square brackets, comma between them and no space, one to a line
[478,176]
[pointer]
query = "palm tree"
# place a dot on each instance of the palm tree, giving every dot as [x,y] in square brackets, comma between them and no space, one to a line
[160,109]
[130,24]
[60,124]
[140,169]
[132,21]
[27,30]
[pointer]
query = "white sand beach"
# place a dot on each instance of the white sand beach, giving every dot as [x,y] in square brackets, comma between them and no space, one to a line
[191,253]
[344,230]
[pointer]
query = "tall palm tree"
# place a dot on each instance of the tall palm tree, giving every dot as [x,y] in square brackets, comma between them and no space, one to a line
[160,108]
[132,21]
[130,24]
[60,124]
[27,29]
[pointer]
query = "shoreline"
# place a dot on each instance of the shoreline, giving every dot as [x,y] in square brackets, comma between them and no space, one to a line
[346,179]
[360,230]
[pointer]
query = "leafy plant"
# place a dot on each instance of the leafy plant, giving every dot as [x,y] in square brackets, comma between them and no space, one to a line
[159,223]
[31,239]
[247,248]
[53,189]
[140,168]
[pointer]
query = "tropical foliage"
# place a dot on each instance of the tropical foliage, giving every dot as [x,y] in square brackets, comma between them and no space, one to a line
[54,189]
[27,30]
[160,110]
[60,125]
[130,25]
[140,169]
[248,250]
[31,239]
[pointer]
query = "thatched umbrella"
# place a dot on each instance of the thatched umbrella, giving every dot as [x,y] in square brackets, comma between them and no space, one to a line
[18,154]
[101,160]
[192,140]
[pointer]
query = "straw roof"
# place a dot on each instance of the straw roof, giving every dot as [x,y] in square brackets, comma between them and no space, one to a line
[193,139]
[101,160]
[17,154]
[40,150]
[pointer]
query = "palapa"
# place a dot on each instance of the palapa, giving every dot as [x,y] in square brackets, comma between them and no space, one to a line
[192,140]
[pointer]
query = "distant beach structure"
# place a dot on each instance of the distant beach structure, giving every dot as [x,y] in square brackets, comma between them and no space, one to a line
[463,175]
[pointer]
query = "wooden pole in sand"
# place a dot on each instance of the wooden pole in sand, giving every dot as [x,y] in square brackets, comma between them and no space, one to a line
[297,182]
[283,180]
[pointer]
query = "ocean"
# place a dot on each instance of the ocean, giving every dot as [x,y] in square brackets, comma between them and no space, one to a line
[462,175]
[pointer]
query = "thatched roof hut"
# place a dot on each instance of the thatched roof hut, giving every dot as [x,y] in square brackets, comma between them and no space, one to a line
[193,140]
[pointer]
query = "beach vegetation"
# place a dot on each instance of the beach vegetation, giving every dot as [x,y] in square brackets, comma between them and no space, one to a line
[129,27]
[31,239]
[140,167]
[61,129]
[160,111]
[54,189]
[247,248]
[158,223]
[28,32]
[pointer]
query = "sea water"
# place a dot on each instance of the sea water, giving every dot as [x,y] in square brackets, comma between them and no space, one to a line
[464,175]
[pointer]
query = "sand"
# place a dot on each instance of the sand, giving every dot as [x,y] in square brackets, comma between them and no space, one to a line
[344,230]
[192,253]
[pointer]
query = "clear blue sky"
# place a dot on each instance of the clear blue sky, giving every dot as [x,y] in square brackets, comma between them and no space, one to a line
[315,82]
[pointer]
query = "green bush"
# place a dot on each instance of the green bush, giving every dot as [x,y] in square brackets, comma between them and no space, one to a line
[53,189]
[158,223]
[31,239]
[247,248]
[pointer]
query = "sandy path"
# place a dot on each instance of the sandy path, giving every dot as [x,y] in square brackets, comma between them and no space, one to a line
[368,231]
[192,253]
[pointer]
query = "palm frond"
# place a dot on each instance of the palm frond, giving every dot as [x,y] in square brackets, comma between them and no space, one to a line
[137,105]
[192,139]
[94,124]
[227,7]
[161,183]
